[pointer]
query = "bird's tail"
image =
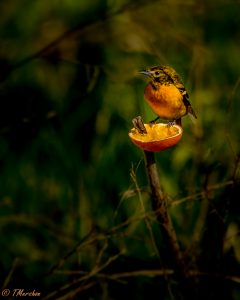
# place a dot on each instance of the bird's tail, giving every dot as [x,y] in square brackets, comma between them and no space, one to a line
[191,114]
[193,117]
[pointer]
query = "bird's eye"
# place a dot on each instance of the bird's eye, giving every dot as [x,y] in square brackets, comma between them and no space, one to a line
[157,73]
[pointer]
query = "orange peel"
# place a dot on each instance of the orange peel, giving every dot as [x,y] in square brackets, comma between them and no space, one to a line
[159,137]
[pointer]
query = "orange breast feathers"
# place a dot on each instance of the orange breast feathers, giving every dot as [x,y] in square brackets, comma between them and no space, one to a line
[166,101]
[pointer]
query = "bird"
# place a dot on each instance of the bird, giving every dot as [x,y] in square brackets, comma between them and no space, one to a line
[166,94]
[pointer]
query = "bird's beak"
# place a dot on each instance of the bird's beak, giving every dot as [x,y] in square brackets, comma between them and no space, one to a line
[146,72]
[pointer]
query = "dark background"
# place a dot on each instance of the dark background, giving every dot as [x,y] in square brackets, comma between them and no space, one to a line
[73,189]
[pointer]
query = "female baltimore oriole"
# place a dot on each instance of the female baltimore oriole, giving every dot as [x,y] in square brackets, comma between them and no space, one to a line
[167,95]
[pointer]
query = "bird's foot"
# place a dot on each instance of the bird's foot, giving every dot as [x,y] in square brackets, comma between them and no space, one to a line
[139,125]
[154,121]
[171,123]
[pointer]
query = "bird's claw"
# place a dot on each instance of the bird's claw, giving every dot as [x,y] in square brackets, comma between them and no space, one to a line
[139,125]
[171,123]
[154,121]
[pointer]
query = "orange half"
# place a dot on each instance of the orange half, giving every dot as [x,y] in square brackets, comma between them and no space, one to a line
[159,137]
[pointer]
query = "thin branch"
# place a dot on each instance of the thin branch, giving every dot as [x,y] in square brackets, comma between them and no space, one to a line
[160,207]
[10,274]
[151,273]
[201,194]
[79,29]
[146,219]
[84,278]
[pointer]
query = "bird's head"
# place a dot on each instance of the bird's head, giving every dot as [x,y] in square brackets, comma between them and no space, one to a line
[157,74]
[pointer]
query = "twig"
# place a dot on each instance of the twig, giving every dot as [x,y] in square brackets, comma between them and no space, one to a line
[160,207]
[201,194]
[146,219]
[72,286]
[82,28]
[151,273]
[9,276]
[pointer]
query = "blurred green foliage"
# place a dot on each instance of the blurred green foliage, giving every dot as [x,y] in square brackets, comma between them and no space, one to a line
[69,174]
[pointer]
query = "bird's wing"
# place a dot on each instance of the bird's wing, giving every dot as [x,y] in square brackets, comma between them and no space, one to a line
[180,86]
[190,110]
